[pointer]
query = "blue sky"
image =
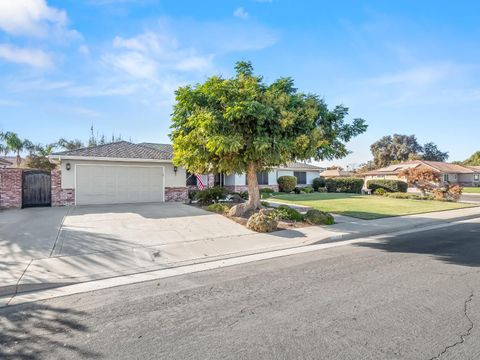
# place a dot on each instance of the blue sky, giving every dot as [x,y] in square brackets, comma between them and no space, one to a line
[407,67]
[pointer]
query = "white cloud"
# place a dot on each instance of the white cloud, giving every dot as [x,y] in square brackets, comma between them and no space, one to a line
[33,57]
[241,13]
[84,50]
[33,18]
[416,76]
[134,64]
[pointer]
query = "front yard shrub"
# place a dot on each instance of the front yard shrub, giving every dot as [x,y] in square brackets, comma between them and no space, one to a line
[388,185]
[401,195]
[287,183]
[243,195]
[322,189]
[297,190]
[285,212]
[211,195]
[344,185]
[380,191]
[318,183]
[265,203]
[218,208]
[308,189]
[263,221]
[265,193]
[317,217]
[192,194]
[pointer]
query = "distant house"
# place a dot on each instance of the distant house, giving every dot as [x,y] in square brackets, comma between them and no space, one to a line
[335,173]
[452,173]
[6,162]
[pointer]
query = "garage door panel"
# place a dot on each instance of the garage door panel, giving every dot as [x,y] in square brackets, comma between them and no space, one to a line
[112,184]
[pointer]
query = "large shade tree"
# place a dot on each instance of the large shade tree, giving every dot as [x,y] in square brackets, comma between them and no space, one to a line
[243,125]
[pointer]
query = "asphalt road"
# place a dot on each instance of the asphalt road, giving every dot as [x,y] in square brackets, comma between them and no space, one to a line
[414,296]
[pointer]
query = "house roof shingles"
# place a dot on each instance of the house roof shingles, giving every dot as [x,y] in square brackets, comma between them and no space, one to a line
[441,167]
[122,150]
[300,166]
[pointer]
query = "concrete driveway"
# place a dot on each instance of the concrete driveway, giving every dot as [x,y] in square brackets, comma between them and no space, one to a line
[58,241]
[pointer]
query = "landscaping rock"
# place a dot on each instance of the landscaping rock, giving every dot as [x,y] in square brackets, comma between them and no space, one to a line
[238,210]
[317,217]
[263,221]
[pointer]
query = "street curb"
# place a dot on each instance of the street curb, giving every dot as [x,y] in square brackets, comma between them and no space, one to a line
[342,239]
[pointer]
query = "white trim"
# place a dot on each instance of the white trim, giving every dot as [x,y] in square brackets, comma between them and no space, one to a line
[94,158]
[116,165]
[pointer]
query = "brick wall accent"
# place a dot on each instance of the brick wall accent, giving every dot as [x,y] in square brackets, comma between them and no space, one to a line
[10,188]
[241,188]
[61,197]
[176,194]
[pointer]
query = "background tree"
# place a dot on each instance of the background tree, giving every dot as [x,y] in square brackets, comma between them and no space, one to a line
[396,148]
[243,125]
[432,153]
[15,144]
[473,160]
[73,144]
[423,178]
[38,157]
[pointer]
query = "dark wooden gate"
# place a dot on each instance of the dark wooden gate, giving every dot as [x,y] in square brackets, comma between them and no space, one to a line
[37,190]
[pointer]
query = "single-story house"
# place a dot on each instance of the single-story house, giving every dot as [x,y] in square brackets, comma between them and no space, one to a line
[452,173]
[335,173]
[123,172]
[305,173]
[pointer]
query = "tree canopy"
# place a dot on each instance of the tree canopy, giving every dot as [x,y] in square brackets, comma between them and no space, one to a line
[473,160]
[241,124]
[400,148]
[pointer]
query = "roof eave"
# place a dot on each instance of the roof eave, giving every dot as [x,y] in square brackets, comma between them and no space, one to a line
[97,158]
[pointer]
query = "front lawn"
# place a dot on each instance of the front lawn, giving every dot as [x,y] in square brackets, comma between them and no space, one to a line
[471,190]
[367,206]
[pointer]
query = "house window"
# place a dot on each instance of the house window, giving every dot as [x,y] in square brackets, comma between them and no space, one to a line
[476,177]
[262,178]
[219,179]
[445,177]
[301,177]
[191,179]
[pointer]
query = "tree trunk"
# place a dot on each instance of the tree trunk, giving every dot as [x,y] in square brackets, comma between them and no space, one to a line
[18,159]
[253,190]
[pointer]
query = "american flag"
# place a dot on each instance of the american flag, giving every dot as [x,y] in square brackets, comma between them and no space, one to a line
[200,183]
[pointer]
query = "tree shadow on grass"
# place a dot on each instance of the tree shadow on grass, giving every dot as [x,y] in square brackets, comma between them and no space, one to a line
[33,331]
[457,244]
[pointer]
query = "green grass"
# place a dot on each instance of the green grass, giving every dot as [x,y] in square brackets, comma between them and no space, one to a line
[471,190]
[367,207]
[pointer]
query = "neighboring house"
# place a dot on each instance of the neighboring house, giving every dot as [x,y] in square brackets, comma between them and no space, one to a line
[305,173]
[120,172]
[452,173]
[335,173]
[4,163]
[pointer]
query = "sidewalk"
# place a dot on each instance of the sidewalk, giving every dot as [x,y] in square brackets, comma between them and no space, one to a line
[62,270]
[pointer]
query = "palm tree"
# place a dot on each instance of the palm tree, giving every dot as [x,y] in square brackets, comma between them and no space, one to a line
[15,144]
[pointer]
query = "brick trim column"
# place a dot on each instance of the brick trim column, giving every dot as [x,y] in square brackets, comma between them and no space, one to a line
[11,188]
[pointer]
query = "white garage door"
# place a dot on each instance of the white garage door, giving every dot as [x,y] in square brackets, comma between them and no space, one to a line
[115,184]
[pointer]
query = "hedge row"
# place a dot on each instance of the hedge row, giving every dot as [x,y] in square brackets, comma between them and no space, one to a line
[344,185]
[392,186]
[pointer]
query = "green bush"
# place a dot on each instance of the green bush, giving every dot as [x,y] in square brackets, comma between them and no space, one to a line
[265,193]
[380,191]
[218,208]
[192,194]
[322,189]
[308,189]
[318,183]
[317,217]
[287,183]
[297,190]
[285,212]
[265,203]
[401,195]
[344,185]
[388,185]
[211,195]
